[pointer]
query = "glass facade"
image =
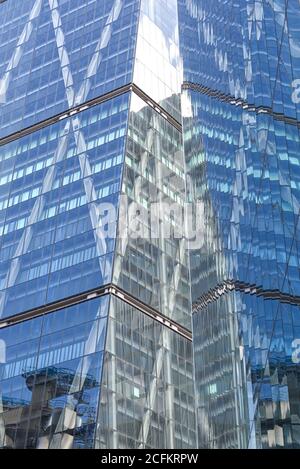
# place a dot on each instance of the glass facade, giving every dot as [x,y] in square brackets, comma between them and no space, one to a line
[158,66]
[115,117]
[152,266]
[241,138]
[148,379]
[95,326]
[51,380]
[53,180]
[56,54]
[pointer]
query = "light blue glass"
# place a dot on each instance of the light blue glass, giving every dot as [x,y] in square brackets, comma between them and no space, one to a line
[52,183]
[56,54]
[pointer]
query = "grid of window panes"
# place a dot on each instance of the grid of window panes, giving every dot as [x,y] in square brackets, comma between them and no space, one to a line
[54,54]
[244,168]
[53,183]
[147,398]
[246,377]
[50,381]
[222,405]
[247,49]
[250,175]
[251,231]
[152,261]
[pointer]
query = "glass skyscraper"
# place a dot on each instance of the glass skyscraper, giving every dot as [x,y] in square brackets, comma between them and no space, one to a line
[95,334]
[118,328]
[241,130]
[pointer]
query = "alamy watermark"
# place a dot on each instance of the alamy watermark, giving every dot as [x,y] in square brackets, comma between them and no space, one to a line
[156,221]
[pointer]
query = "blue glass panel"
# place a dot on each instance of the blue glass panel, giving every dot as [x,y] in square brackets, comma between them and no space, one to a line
[55,54]
[241,134]
[50,380]
[52,184]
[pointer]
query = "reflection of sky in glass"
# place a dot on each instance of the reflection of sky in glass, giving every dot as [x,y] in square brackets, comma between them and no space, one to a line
[243,163]
[158,66]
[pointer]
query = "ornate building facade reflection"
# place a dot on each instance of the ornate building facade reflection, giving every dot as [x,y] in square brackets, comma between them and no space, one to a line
[109,108]
[241,135]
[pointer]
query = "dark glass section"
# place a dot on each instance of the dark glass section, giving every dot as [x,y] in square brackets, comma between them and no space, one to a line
[56,54]
[50,380]
[147,398]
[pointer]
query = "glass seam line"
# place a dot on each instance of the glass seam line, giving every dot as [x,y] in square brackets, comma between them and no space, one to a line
[93,102]
[247,288]
[239,102]
[109,289]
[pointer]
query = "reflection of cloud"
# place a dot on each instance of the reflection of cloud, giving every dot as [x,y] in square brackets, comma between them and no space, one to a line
[157,53]
[173,53]
[162,46]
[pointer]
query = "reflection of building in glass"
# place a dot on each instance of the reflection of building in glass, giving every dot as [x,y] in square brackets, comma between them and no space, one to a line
[98,100]
[97,328]
[241,132]
[51,382]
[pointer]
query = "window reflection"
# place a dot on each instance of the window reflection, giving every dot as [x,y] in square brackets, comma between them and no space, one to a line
[50,386]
